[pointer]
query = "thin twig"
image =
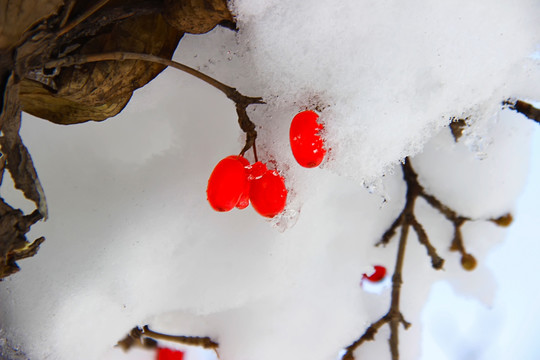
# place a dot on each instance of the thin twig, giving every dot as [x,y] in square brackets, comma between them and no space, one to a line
[369,335]
[450,214]
[81,18]
[436,261]
[394,315]
[405,220]
[255,150]
[68,8]
[204,342]
[241,101]
[146,338]
[230,92]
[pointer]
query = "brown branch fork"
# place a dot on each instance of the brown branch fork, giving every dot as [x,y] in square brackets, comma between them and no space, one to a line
[146,338]
[406,220]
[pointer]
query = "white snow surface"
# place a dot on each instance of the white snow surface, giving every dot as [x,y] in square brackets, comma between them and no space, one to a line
[131,239]
[391,73]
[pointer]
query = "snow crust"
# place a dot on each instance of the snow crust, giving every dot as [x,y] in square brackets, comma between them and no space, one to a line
[131,239]
[392,73]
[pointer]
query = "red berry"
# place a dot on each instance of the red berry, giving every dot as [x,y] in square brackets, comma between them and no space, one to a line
[244,198]
[306,144]
[227,183]
[257,170]
[169,354]
[378,274]
[268,194]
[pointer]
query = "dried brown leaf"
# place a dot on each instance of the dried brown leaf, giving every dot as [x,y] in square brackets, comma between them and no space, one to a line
[13,244]
[96,83]
[13,227]
[15,154]
[18,16]
[20,165]
[39,101]
[100,90]
[196,16]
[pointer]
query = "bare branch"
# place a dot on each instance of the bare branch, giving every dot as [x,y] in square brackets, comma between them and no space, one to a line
[436,261]
[241,101]
[147,338]
[369,335]
[407,219]
[394,315]
[204,342]
[82,17]
[391,231]
[230,92]
[443,209]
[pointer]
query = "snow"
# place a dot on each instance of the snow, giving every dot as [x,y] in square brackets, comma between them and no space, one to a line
[509,326]
[131,239]
[389,70]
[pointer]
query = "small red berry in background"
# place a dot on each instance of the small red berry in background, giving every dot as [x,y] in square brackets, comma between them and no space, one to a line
[306,144]
[169,354]
[267,193]
[378,274]
[227,183]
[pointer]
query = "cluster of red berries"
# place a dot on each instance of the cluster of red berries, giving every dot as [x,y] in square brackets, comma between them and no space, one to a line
[235,182]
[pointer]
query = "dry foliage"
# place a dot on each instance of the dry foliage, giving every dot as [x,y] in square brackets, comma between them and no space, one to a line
[74,61]
[34,33]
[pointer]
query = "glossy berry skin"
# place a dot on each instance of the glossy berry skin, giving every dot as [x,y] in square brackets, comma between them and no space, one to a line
[257,170]
[244,198]
[306,144]
[226,184]
[268,194]
[378,274]
[169,354]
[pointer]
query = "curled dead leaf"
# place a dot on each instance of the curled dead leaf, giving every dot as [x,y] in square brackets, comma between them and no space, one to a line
[196,16]
[100,90]
[18,16]
[16,158]
[15,155]
[36,32]
[41,102]
[13,244]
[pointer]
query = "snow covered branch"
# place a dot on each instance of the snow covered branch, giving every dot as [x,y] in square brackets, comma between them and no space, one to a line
[406,220]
